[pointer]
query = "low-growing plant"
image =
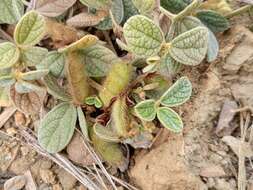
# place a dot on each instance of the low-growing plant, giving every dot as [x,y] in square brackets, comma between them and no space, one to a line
[116,93]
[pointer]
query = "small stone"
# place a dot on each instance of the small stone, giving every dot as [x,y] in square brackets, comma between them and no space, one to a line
[15,183]
[47,176]
[67,180]
[24,150]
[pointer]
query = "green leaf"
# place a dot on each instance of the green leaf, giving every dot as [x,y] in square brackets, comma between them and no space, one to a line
[33,56]
[170,119]
[82,123]
[213,20]
[98,60]
[94,100]
[168,66]
[26,87]
[4,98]
[129,10]
[178,93]
[30,29]
[106,133]
[146,110]
[174,6]
[34,75]
[54,89]
[144,6]
[11,11]
[143,37]
[84,42]
[57,127]
[190,48]
[55,62]
[7,80]
[118,14]
[97,4]
[213,47]
[9,54]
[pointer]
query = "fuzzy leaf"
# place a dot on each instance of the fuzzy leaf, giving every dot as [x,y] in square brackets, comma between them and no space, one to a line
[98,60]
[143,37]
[57,127]
[55,62]
[7,80]
[53,8]
[213,20]
[146,110]
[94,101]
[178,93]
[129,10]
[118,14]
[84,42]
[28,103]
[54,89]
[168,66]
[192,7]
[77,78]
[34,75]
[190,48]
[174,6]
[30,29]
[213,47]
[82,123]
[170,119]
[98,4]
[4,98]
[9,54]
[117,81]
[105,133]
[26,87]
[33,55]
[144,6]
[11,11]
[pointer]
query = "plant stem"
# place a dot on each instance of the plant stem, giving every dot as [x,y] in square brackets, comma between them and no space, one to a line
[167,13]
[239,11]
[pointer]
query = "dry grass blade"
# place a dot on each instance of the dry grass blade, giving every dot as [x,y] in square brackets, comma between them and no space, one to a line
[6,114]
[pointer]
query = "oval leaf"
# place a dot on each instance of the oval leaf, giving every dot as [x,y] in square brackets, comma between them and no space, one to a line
[4,98]
[97,4]
[190,48]
[34,75]
[7,80]
[174,6]
[129,10]
[146,110]
[82,123]
[144,6]
[213,47]
[11,11]
[30,29]
[9,54]
[53,8]
[170,119]
[168,67]
[213,20]
[26,87]
[178,93]
[33,56]
[143,37]
[57,127]
[105,133]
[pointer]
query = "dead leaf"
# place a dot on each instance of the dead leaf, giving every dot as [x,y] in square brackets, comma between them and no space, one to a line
[234,144]
[6,114]
[53,8]
[15,183]
[60,34]
[212,171]
[30,184]
[77,78]
[226,116]
[28,103]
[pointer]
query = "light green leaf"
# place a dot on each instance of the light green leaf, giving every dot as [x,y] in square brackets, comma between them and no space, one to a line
[98,60]
[11,11]
[26,87]
[168,67]
[7,80]
[190,48]
[118,14]
[84,42]
[213,47]
[54,89]
[106,133]
[33,56]
[143,37]
[30,29]
[97,4]
[146,110]
[129,10]
[55,62]
[34,75]
[144,6]
[57,127]
[94,100]
[9,54]
[174,6]
[82,123]
[178,93]
[4,98]
[213,20]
